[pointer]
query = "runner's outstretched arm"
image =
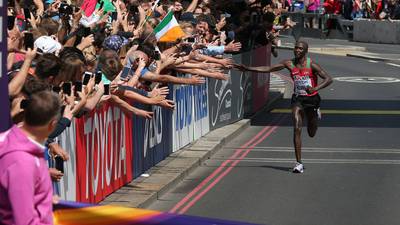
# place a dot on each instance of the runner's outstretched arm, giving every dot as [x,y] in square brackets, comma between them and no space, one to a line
[263,69]
[327,80]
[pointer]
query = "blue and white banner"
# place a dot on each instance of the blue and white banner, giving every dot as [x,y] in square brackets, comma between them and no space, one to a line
[190,119]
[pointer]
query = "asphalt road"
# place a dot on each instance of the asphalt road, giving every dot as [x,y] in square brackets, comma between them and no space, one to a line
[352,165]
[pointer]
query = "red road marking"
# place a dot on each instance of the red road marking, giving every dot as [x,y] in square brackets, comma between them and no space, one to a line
[233,159]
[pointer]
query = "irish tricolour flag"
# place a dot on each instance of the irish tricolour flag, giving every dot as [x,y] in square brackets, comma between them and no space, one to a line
[168,30]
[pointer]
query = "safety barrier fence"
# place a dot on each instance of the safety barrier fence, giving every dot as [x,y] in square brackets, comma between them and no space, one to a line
[318,25]
[109,148]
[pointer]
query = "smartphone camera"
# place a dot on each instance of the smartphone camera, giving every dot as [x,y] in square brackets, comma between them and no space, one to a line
[59,163]
[65,9]
[106,89]
[86,78]
[156,55]
[28,41]
[78,88]
[56,89]
[66,87]
[27,14]
[86,31]
[133,9]
[10,22]
[191,40]
[114,16]
[98,77]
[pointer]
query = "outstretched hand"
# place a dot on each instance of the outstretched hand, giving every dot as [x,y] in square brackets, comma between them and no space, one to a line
[240,66]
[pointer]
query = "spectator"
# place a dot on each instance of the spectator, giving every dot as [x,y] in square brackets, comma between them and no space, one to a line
[26,194]
[392,11]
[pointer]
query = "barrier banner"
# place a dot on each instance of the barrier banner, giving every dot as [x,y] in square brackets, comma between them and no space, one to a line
[247,82]
[190,117]
[226,98]
[67,186]
[103,153]
[152,139]
[260,57]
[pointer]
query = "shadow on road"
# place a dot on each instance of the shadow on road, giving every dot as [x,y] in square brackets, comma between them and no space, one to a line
[380,119]
[281,168]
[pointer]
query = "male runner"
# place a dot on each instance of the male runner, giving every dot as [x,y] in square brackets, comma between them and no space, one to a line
[305,99]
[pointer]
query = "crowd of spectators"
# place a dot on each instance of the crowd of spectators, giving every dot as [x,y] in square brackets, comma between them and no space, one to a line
[68,57]
[351,9]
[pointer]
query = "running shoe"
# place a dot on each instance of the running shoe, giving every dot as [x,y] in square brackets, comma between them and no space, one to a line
[319,113]
[299,168]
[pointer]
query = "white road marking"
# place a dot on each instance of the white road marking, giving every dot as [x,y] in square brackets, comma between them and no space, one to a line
[393,64]
[325,150]
[318,161]
[373,61]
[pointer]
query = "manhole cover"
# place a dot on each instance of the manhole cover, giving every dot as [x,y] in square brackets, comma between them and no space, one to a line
[370,80]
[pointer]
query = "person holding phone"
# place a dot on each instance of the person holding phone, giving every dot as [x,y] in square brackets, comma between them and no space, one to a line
[306,99]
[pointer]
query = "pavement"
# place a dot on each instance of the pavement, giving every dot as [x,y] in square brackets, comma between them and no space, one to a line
[146,189]
[369,51]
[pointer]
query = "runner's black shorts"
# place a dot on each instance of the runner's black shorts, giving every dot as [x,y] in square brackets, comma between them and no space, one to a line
[306,102]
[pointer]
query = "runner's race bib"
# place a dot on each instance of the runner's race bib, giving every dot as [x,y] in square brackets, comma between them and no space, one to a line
[301,83]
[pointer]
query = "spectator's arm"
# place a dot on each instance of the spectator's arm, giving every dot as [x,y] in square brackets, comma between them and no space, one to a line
[192,6]
[216,75]
[127,94]
[127,108]
[172,50]
[86,42]
[15,86]
[224,62]
[149,76]
[213,50]
[94,99]
[10,60]
[62,124]
[40,7]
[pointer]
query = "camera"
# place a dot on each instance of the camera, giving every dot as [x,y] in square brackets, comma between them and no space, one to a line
[65,9]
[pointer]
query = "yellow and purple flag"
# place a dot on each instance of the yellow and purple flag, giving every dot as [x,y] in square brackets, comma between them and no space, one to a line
[73,213]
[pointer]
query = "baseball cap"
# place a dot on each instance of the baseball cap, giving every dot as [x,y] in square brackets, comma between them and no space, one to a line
[47,44]
[115,42]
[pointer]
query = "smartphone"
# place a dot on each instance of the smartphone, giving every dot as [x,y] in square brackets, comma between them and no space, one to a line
[28,41]
[56,89]
[86,31]
[101,5]
[27,13]
[78,87]
[11,3]
[133,9]
[66,87]
[225,15]
[114,16]
[125,73]
[191,39]
[86,78]
[157,55]
[10,22]
[23,104]
[106,89]
[98,77]
[59,163]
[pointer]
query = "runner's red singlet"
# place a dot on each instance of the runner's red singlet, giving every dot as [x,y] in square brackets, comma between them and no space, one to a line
[303,78]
